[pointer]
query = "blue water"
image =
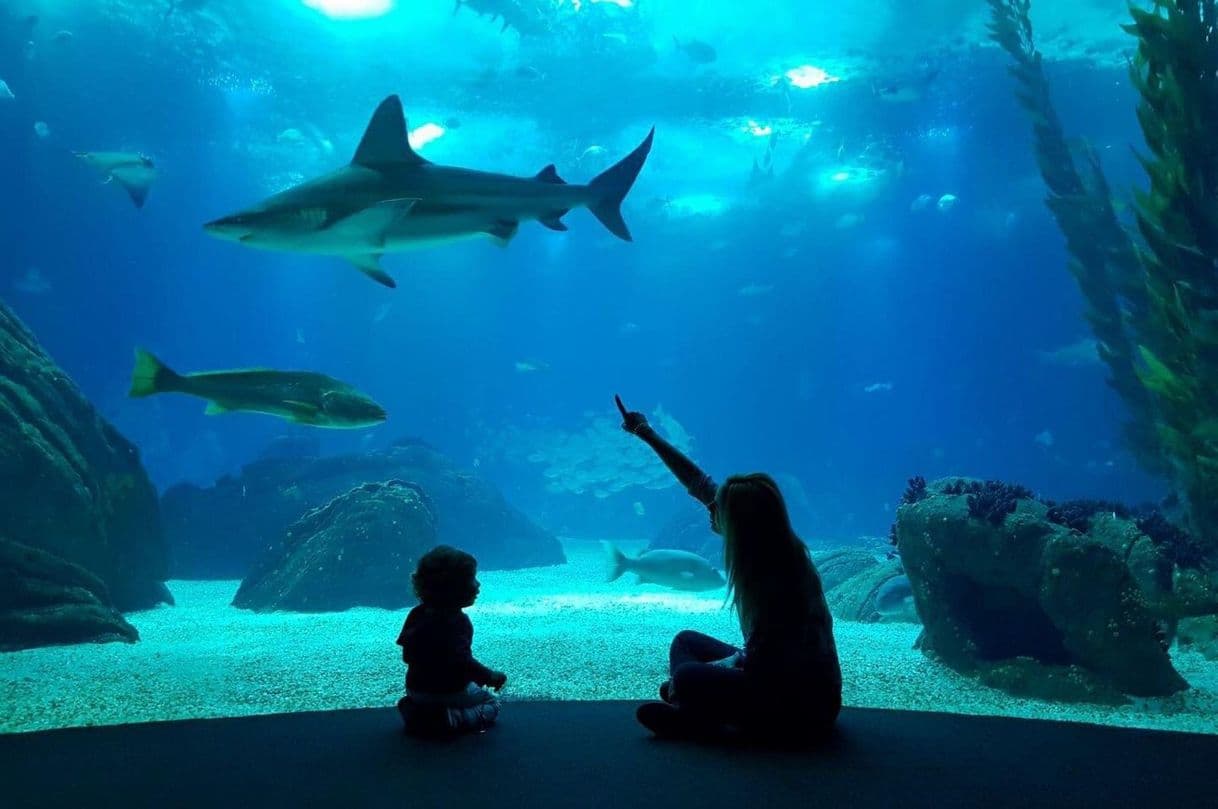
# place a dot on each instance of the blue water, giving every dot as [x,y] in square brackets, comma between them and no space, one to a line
[848,353]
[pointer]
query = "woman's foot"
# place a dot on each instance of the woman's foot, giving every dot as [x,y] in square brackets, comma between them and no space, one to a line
[664,720]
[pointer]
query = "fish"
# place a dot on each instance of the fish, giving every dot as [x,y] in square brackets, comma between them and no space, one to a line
[6,94]
[754,290]
[679,570]
[134,172]
[530,366]
[895,598]
[906,90]
[389,199]
[297,396]
[1079,354]
[878,387]
[696,50]
[513,13]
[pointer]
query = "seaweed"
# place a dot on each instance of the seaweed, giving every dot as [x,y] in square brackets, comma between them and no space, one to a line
[1175,71]
[1103,258]
[1151,293]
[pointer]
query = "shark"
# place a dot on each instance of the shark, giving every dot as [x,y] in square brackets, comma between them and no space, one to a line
[390,199]
[134,172]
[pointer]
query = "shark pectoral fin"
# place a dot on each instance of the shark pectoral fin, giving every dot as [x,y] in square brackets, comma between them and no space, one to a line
[215,409]
[385,138]
[369,265]
[369,225]
[553,220]
[550,175]
[503,230]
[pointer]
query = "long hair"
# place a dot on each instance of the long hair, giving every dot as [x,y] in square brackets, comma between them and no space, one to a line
[769,569]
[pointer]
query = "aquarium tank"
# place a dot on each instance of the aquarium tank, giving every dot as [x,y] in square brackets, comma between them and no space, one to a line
[294,291]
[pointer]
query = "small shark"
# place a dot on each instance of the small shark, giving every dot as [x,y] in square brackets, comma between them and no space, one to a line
[134,172]
[389,199]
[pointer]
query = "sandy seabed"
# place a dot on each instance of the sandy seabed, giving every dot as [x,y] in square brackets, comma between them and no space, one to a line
[558,632]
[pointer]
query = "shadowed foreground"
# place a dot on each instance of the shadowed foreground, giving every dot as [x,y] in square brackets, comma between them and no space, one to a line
[591,754]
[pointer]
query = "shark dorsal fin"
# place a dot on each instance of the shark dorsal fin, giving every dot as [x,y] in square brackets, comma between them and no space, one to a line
[385,138]
[550,175]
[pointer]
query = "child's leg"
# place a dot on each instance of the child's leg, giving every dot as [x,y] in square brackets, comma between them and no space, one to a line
[478,710]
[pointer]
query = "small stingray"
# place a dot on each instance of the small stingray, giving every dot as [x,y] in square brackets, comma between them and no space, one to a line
[134,172]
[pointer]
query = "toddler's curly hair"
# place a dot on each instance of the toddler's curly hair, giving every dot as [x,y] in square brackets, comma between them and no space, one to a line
[445,577]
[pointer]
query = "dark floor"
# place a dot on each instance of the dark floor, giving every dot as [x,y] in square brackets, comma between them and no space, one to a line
[575,754]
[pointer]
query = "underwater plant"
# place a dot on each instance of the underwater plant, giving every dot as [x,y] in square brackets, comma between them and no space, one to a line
[1151,302]
[1103,259]
[1175,71]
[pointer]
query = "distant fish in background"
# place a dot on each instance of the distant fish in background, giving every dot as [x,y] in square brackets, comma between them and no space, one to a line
[134,172]
[1079,354]
[1044,438]
[5,93]
[32,283]
[530,366]
[755,290]
[878,387]
[680,570]
[905,90]
[696,51]
[42,130]
[63,37]
[181,5]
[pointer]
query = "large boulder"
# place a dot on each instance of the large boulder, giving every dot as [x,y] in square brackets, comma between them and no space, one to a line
[70,484]
[218,532]
[1076,609]
[358,550]
[45,601]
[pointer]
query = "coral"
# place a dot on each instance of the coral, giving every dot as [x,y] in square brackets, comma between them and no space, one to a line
[1076,514]
[1181,547]
[990,500]
[915,491]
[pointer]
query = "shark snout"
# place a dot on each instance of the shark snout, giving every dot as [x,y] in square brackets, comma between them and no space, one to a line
[232,228]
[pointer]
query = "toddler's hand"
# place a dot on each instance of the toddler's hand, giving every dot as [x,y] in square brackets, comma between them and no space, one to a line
[498,680]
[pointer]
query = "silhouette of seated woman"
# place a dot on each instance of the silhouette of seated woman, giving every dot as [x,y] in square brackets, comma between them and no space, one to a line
[785,684]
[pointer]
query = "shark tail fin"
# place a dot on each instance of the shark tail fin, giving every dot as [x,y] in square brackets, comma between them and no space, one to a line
[151,376]
[612,185]
[618,562]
